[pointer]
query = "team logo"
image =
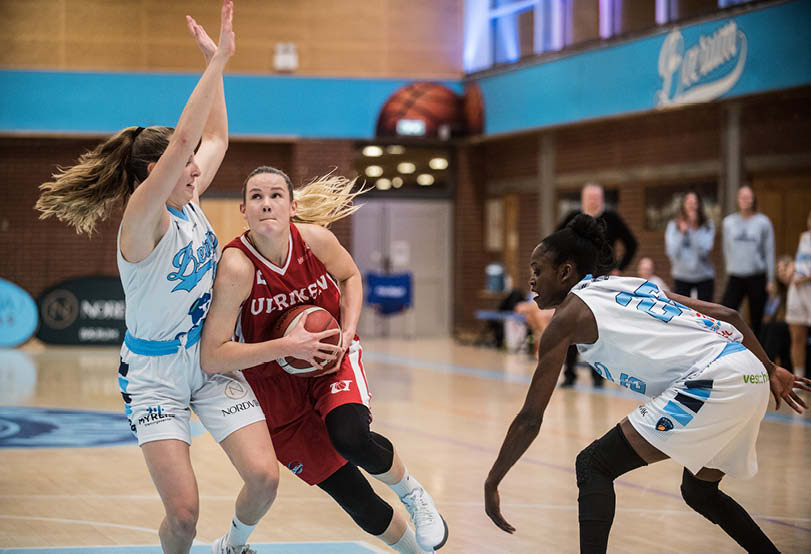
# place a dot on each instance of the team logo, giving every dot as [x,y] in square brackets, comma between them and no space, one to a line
[234,390]
[339,386]
[301,260]
[295,467]
[664,424]
[60,309]
[643,411]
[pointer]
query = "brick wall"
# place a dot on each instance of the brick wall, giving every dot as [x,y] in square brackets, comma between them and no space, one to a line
[38,254]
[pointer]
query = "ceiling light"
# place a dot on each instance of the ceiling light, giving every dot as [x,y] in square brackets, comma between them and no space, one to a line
[425,179]
[383,184]
[374,171]
[438,163]
[372,151]
[397,182]
[406,167]
[395,149]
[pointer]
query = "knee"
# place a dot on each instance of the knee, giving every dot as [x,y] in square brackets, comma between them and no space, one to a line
[699,495]
[351,443]
[263,481]
[182,520]
[584,464]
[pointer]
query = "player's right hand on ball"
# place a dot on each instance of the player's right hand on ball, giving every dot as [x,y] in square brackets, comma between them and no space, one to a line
[305,345]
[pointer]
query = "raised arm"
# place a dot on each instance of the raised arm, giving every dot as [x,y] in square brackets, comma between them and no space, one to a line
[215,134]
[342,267]
[781,381]
[145,218]
[219,353]
[561,332]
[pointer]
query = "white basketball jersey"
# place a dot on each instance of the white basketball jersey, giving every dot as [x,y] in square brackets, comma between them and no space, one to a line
[646,341]
[169,292]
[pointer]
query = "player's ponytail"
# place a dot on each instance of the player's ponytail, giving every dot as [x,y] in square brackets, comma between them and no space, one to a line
[87,192]
[583,242]
[326,199]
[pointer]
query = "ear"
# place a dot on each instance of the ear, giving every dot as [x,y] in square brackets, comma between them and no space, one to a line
[242,209]
[566,272]
[149,167]
[293,208]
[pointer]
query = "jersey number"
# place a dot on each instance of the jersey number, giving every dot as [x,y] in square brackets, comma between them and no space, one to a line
[662,309]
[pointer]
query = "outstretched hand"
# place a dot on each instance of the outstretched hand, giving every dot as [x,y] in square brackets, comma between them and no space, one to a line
[783,384]
[204,42]
[227,45]
[492,506]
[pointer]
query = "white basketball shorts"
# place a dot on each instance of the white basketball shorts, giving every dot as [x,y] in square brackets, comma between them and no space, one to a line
[710,418]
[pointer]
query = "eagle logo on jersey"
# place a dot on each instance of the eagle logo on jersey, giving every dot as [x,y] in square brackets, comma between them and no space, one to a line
[664,424]
[295,467]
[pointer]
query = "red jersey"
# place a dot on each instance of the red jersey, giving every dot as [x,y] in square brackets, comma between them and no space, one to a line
[303,279]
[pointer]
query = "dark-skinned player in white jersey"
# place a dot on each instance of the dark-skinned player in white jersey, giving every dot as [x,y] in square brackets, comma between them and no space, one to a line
[706,377]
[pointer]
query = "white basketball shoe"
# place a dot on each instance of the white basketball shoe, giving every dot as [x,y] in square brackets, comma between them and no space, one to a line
[220,546]
[429,526]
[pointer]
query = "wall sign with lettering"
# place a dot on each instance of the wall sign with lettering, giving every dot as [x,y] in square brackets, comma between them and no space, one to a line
[88,310]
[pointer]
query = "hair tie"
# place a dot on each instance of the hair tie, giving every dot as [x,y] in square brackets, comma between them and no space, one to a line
[137,132]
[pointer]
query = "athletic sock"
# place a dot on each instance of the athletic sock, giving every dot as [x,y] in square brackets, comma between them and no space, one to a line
[407,543]
[406,484]
[239,532]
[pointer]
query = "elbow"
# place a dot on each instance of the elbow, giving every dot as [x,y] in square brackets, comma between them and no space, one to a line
[528,423]
[207,362]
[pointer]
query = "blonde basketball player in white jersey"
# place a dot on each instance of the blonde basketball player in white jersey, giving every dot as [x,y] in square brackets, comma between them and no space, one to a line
[167,254]
[706,377]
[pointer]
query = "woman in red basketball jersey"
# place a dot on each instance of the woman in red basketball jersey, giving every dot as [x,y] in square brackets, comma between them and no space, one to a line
[319,425]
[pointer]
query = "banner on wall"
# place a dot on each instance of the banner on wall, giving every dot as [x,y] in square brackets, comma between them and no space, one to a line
[18,315]
[753,52]
[87,311]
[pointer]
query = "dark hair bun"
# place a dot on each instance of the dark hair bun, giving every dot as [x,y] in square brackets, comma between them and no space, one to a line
[588,228]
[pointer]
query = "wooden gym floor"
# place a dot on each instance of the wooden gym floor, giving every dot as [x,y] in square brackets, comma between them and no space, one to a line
[446,408]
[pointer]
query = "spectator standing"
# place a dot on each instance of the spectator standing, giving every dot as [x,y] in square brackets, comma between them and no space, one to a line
[592,202]
[689,239]
[749,256]
[798,304]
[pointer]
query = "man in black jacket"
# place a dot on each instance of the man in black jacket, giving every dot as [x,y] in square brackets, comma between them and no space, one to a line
[592,201]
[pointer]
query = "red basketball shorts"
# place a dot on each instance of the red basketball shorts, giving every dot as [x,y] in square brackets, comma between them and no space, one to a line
[295,409]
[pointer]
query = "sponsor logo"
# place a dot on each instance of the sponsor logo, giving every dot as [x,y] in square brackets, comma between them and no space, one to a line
[60,309]
[339,386]
[664,424]
[240,407]
[704,71]
[643,411]
[235,390]
[154,415]
[757,379]
[295,467]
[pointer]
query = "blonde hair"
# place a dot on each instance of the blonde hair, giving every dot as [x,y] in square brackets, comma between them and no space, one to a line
[85,193]
[322,201]
[326,199]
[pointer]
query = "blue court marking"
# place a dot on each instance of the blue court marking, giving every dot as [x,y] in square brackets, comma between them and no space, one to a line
[29,427]
[337,547]
[443,367]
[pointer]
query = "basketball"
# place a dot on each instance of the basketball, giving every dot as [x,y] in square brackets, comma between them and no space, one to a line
[432,104]
[317,320]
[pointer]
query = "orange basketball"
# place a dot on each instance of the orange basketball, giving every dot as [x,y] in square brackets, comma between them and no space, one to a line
[428,104]
[317,320]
